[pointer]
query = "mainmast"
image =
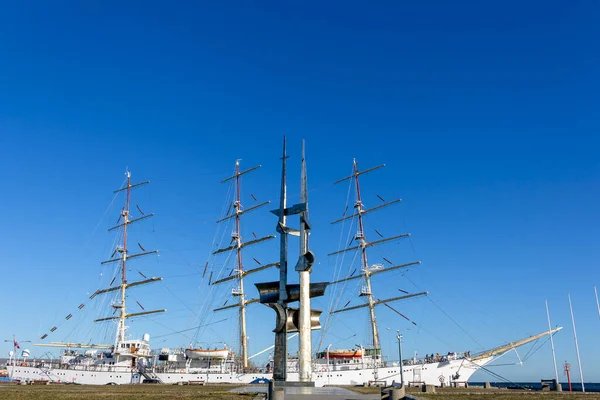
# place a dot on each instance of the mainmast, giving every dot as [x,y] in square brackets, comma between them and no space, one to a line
[237,245]
[122,258]
[369,270]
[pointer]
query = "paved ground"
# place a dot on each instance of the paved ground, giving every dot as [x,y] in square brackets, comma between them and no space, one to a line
[314,393]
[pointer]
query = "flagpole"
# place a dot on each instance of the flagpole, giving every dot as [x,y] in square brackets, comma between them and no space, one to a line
[576,345]
[552,342]
[14,354]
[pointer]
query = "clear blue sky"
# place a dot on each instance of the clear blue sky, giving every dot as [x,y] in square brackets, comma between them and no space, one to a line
[486,114]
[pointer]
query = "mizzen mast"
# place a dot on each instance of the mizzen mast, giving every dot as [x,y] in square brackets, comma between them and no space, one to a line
[122,258]
[238,245]
[369,270]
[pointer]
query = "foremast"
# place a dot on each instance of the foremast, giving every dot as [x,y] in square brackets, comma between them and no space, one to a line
[237,245]
[122,258]
[367,270]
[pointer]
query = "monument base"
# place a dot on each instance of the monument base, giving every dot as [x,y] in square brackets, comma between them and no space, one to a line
[293,384]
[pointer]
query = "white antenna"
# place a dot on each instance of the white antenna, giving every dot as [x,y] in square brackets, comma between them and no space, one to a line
[576,345]
[552,343]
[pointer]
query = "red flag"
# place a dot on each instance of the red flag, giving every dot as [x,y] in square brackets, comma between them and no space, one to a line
[17,345]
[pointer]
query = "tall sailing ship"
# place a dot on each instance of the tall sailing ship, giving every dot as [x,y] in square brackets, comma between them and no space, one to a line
[130,361]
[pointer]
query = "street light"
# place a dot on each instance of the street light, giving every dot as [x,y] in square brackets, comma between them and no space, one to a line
[399,337]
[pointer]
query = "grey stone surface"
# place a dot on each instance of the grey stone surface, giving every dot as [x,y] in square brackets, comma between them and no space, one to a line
[312,393]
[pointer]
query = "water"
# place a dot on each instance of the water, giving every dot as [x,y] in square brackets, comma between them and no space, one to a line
[589,386]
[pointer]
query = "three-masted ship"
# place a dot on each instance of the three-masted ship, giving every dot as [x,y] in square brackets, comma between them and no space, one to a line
[127,361]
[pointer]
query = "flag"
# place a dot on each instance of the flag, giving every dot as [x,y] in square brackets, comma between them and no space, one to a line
[17,345]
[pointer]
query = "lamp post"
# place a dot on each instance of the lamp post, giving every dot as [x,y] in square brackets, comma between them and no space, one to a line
[328,356]
[399,337]
[328,374]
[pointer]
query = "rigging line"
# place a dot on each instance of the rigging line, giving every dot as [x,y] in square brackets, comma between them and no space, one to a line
[339,262]
[407,277]
[331,317]
[180,276]
[412,245]
[206,305]
[496,375]
[177,250]
[217,334]
[528,356]
[444,312]
[178,298]
[530,349]
[334,302]
[205,312]
[410,239]
[228,195]
[103,216]
[455,322]
[182,331]
[336,299]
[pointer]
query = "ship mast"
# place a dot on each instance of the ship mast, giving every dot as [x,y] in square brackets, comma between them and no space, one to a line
[122,258]
[237,245]
[367,270]
[125,216]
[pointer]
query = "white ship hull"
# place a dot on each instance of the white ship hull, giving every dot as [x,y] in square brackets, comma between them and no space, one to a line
[430,374]
[80,376]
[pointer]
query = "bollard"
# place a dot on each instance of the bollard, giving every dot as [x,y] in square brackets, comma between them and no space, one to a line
[557,386]
[385,393]
[428,389]
[278,393]
[397,393]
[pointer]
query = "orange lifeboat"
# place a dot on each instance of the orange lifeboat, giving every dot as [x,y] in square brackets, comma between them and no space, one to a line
[345,354]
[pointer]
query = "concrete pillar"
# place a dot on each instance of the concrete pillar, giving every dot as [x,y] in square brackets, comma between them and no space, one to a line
[428,389]
[487,385]
[385,393]
[555,385]
[397,393]
[278,394]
